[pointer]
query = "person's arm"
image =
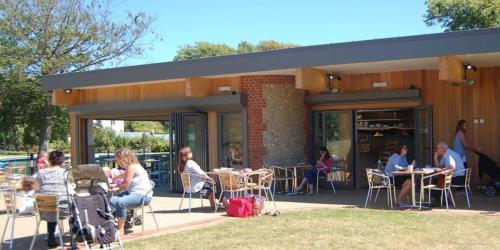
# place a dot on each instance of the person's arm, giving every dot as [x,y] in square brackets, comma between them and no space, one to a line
[436,160]
[449,165]
[466,144]
[120,176]
[197,170]
[129,175]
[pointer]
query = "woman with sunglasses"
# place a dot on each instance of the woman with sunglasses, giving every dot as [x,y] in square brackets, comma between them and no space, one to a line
[398,161]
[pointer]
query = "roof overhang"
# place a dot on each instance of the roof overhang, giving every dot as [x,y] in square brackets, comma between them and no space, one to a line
[415,52]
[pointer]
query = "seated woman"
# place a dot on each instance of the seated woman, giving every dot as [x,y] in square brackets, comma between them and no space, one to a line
[398,161]
[200,181]
[324,163]
[51,179]
[135,186]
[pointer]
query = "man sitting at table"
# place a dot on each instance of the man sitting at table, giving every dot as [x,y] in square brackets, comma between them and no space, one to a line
[398,161]
[447,159]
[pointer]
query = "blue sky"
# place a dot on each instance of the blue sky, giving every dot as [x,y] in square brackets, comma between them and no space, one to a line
[302,22]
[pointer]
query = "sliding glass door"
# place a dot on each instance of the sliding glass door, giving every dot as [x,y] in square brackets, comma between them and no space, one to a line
[334,130]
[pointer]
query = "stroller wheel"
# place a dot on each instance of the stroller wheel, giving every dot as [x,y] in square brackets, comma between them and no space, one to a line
[489,191]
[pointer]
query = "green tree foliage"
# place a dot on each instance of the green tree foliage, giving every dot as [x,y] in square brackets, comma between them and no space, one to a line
[45,37]
[206,49]
[105,139]
[463,14]
[145,126]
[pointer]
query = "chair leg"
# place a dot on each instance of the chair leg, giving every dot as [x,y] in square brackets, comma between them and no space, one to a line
[333,187]
[36,234]
[317,185]
[442,191]
[190,196]
[376,196]
[154,217]
[5,229]
[272,198]
[180,205]
[61,232]
[201,198]
[451,196]
[467,196]
[367,197]
[446,198]
[143,219]
[12,231]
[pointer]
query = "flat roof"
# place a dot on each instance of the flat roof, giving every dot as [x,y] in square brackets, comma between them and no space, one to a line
[387,49]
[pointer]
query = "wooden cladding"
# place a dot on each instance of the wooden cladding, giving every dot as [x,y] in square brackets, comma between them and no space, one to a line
[192,87]
[310,79]
[450,69]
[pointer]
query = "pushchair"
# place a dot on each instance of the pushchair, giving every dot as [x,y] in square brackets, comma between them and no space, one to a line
[490,168]
[90,214]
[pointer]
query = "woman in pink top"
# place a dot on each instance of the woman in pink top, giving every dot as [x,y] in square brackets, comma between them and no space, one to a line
[324,166]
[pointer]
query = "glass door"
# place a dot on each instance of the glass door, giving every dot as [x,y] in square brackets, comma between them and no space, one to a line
[188,129]
[334,130]
[423,136]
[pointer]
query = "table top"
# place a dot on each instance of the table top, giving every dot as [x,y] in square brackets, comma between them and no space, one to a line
[415,171]
[151,160]
[109,159]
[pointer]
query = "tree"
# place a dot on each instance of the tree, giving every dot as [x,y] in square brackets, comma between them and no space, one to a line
[206,49]
[463,14]
[45,37]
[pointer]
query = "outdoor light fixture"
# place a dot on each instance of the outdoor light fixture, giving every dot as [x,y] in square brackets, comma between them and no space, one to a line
[67,91]
[468,67]
[330,76]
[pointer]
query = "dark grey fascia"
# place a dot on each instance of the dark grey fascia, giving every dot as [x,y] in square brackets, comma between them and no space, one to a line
[224,103]
[398,48]
[364,97]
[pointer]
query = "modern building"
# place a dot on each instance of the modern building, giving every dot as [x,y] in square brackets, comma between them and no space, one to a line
[360,99]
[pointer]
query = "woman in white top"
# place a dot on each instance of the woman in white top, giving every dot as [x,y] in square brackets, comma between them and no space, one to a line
[135,186]
[200,181]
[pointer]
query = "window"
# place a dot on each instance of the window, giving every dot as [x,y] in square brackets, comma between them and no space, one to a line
[231,140]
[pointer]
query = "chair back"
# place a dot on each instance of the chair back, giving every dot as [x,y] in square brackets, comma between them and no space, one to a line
[9,197]
[47,203]
[468,175]
[186,181]
[447,179]
[228,180]
[369,176]
[265,177]
[16,170]
[3,179]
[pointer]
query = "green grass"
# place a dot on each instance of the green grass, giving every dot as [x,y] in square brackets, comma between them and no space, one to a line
[337,229]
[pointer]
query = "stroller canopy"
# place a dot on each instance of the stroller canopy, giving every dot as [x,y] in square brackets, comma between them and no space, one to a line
[90,172]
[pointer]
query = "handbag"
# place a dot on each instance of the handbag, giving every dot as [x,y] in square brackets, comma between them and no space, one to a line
[240,207]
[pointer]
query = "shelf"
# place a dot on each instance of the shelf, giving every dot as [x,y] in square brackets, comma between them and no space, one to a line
[386,128]
[381,120]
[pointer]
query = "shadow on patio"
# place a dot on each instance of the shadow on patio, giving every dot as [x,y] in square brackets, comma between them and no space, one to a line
[166,204]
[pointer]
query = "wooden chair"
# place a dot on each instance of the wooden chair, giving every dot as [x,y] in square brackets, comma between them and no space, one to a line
[445,188]
[229,183]
[186,179]
[384,184]
[466,185]
[11,196]
[264,183]
[48,203]
[16,170]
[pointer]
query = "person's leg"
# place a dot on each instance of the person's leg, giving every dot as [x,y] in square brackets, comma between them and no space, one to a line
[405,189]
[301,185]
[51,237]
[311,178]
[121,203]
[211,199]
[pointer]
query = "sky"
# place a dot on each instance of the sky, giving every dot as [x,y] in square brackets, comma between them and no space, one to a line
[309,22]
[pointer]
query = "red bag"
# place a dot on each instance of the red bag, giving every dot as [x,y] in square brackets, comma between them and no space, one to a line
[240,207]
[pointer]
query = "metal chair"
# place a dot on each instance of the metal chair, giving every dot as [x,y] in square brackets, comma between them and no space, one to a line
[150,208]
[186,179]
[385,183]
[10,196]
[466,185]
[328,176]
[283,175]
[264,183]
[48,203]
[445,189]
[229,183]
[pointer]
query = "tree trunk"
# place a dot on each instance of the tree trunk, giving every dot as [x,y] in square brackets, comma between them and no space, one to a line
[46,128]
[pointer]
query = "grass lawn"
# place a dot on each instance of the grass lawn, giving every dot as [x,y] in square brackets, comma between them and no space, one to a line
[334,229]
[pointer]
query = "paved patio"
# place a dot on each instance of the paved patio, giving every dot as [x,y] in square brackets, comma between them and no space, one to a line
[166,205]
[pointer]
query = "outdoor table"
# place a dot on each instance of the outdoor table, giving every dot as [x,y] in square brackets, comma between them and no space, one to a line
[107,161]
[420,172]
[153,163]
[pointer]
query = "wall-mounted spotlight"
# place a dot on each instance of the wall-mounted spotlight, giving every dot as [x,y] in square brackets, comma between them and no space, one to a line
[468,67]
[67,91]
[330,76]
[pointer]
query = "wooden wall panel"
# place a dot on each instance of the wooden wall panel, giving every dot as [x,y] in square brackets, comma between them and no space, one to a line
[234,82]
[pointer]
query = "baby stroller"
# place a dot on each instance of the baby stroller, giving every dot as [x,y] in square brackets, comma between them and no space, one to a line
[91,219]
[489,167]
